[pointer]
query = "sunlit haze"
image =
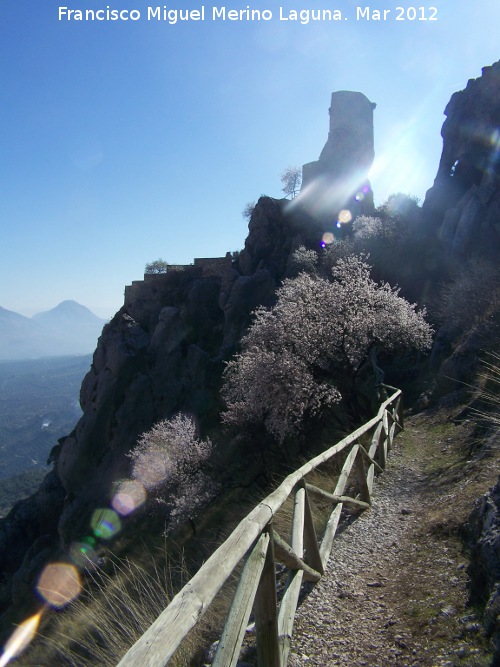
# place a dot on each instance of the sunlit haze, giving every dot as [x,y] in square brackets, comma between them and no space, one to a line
[126,141]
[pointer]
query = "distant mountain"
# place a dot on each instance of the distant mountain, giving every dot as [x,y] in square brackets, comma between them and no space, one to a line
[73,319]
[67,329]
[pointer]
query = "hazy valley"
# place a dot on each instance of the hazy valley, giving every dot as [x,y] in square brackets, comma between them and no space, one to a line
[43,360]
[39,403]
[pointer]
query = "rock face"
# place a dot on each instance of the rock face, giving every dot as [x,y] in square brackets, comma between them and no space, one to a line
[162,353]
[28,538]
[462,215]
[339,179]
[484,534]
[464,203]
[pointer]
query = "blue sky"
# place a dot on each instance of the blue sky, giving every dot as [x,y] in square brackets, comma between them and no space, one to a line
[122,142]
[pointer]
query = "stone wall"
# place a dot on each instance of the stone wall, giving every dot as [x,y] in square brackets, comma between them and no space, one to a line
[175,267]
[142,296]
[214,266]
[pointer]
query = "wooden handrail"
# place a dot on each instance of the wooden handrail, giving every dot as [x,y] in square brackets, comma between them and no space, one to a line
[253,539]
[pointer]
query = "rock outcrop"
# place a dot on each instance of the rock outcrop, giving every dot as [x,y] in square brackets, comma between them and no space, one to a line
[462,215]
[463,205]
[484,571]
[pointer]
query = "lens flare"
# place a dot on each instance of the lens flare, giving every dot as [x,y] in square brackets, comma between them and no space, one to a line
[20,638]
[83,555]
[328,238]
[150,470]
[495,154]
[345,216]
[58,584]
[105,523]
[130,495]
[359,196]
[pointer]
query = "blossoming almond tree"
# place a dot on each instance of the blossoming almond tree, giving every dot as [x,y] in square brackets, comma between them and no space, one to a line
[170,457]
[300,355]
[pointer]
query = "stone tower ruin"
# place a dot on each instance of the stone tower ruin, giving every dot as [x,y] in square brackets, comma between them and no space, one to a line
[339,179]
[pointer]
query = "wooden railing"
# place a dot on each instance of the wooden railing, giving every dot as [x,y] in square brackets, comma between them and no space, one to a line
[255,540]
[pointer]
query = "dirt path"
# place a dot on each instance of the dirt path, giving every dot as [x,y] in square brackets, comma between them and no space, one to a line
[395,589]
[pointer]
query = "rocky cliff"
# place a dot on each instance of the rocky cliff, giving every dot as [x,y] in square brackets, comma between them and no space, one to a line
[463,205]
[162,353]
[462,212]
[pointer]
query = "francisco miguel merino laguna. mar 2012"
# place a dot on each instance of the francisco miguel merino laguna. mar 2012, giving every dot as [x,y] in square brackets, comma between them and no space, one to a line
[172,15]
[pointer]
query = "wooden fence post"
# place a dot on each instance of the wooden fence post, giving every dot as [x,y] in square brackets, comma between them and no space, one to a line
[310,538]
[333,521]
[398,411]
[230,642]
[266,611]
[384,433]
[390,429]
[372,453]
[361,476]
[291,596]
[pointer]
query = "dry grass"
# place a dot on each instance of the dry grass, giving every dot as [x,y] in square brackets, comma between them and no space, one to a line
[489,381]
[122,599]
[117,606]
[433,565]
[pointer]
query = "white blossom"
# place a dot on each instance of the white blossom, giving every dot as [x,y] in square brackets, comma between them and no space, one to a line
[295,354]
[168,460]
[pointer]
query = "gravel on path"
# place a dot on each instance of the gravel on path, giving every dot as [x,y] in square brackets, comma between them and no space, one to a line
[395,592]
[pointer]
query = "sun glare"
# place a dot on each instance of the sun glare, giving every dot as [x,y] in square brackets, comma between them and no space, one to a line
[400,164]
[20,639]
[399,168]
